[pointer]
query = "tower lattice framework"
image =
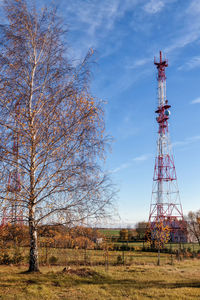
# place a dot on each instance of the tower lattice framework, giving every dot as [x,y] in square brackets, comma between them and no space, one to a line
[12,210]
[165,203]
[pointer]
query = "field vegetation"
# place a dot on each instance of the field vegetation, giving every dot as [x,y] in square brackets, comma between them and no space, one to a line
[82,263]
[141,280]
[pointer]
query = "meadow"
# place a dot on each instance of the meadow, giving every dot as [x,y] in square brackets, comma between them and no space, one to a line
[139,278]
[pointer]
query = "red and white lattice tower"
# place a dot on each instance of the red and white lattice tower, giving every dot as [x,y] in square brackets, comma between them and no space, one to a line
[165,203]
[12,211]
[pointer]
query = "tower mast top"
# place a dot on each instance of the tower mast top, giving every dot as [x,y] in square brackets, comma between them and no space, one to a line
[161,65]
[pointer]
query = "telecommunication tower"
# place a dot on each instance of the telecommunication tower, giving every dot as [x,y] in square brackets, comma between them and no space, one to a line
[12,211]
[165,203]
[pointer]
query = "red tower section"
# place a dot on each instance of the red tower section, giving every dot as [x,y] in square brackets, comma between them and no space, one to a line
[165,203]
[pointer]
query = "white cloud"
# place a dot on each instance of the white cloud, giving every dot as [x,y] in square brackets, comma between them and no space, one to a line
[183,41]
[154,6]
[141,157]
[187,141]
[188,33]
[94,14]
[194,62]
[138,63]
[194,7]
[123,166]
[92,21]
[195,101]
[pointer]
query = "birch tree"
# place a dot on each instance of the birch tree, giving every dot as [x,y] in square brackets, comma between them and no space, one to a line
[57,126]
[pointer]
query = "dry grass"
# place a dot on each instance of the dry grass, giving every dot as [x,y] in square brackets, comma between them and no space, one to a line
[138,281]
[93,257]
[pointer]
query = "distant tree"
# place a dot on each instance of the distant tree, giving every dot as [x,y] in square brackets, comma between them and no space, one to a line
[159,236]
[193,225]
[141,228]
[86,232]
[45,101]
[10,235]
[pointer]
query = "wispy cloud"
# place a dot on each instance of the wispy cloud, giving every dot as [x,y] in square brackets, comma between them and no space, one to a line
[127,165]
[188,34]
[94,19]
[121,167]
[195,101]
[176,44]
[183,41]
[194,62]
[142,157]
[95,24]
[138,63]
[154,6]
[194,7]
[187,141]
[190,31]
[183,37]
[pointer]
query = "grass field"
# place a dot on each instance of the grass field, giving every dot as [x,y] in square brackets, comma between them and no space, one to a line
[95,257]
[88,277]
[141,281]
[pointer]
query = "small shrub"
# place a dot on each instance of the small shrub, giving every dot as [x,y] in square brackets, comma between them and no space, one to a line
[53,259]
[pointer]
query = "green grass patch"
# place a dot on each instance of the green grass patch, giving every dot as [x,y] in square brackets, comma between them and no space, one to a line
[110,232]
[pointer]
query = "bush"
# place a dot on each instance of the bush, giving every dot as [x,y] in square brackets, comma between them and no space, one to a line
[6,259]
[53,259]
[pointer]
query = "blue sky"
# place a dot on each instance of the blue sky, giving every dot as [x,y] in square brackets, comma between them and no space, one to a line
[127,34]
